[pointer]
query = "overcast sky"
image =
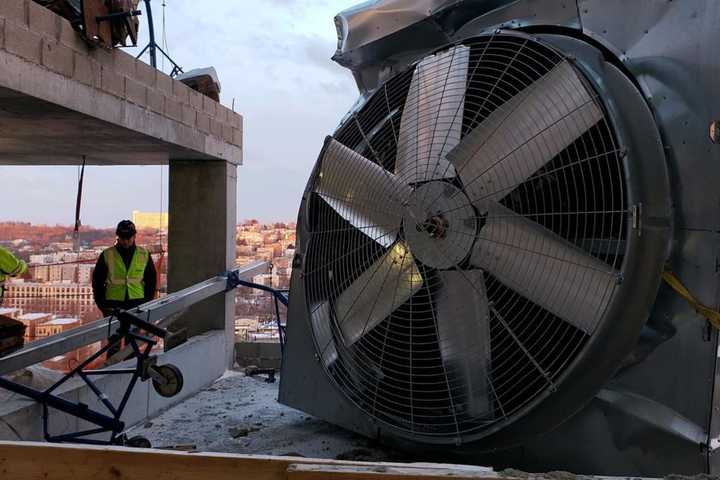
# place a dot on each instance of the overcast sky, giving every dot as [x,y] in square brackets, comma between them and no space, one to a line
[273,58]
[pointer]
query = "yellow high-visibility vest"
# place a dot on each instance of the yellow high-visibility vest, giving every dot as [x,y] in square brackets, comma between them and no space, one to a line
[10,266]
[125,282]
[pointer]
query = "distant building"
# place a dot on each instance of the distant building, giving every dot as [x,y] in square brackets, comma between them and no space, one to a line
[243,328]
[150,220]
[263,279]
[40,273]
[85,271]
[55,326]
[38,259]
[70,291]
[31,322]
[11,312]
[69,273]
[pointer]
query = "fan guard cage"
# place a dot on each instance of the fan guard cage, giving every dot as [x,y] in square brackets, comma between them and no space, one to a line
[467,231]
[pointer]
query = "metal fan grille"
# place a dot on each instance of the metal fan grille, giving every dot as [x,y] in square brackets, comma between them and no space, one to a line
[468,228]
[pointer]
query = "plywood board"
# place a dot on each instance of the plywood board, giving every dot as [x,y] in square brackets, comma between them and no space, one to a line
[42,461]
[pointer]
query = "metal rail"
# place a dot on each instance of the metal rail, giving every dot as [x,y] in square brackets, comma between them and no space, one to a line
[152,312]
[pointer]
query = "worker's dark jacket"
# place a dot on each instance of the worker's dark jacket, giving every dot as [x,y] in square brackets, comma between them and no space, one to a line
[100,277]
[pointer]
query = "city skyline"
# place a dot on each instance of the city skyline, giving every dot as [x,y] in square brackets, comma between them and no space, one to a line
[56,295]
[85,226]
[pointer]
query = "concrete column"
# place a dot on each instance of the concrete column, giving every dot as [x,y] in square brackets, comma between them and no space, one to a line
[201,240]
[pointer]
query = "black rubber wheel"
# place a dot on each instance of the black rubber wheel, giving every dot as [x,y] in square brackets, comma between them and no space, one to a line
[174,378]
[138,442]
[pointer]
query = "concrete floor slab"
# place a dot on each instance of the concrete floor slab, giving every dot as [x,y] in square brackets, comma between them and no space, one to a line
[240,414]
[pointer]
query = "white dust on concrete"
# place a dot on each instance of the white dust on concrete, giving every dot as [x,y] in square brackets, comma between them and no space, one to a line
[240,414]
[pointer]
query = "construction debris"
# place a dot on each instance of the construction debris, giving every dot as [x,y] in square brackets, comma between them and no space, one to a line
[252,371]
[240,414]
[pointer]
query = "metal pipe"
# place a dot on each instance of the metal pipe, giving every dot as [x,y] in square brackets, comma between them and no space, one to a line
[151,29]
[63,405]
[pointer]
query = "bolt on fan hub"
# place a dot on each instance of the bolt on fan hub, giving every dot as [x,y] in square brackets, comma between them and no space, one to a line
[439,225]
[435,226]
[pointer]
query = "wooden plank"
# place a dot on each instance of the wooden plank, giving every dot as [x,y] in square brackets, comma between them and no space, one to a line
[43,461]
[384,472]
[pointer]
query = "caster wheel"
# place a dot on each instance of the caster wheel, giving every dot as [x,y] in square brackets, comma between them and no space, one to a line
[138,442]
[172,380]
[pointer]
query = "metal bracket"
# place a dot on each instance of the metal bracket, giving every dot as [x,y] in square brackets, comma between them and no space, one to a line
[233,280]
[637,218]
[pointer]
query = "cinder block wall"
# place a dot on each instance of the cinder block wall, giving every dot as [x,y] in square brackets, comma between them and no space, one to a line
[38,35]
[263,355]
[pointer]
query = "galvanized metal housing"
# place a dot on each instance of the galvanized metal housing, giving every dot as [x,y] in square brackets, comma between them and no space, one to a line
[650,413]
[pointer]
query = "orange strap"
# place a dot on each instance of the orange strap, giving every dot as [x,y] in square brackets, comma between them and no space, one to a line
[712,316]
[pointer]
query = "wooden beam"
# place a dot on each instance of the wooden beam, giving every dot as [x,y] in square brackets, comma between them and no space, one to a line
[385,472]
[44,461]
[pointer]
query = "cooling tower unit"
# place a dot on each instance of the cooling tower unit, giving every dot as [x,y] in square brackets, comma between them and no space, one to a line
[482,243]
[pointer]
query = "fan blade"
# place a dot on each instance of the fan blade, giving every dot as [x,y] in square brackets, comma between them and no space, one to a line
[544,267]
[431,122]
[524,134]
[377,293]
[363,193]
[322,328]
[463,323]
[330,351]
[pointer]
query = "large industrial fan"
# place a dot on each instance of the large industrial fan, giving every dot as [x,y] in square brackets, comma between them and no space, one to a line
[480,247]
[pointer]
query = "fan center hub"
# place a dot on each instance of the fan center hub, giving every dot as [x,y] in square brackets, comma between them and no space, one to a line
[439,225]
[436,226]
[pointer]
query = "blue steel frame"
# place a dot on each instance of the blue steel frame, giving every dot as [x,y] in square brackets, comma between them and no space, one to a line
[279,296]
[141,346]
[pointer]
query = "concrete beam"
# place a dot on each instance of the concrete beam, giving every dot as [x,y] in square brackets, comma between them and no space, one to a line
[201,240]
[60,100]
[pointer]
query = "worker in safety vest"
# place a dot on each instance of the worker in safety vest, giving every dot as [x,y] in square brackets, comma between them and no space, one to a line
[10,266]
[11,330]
[124,275]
